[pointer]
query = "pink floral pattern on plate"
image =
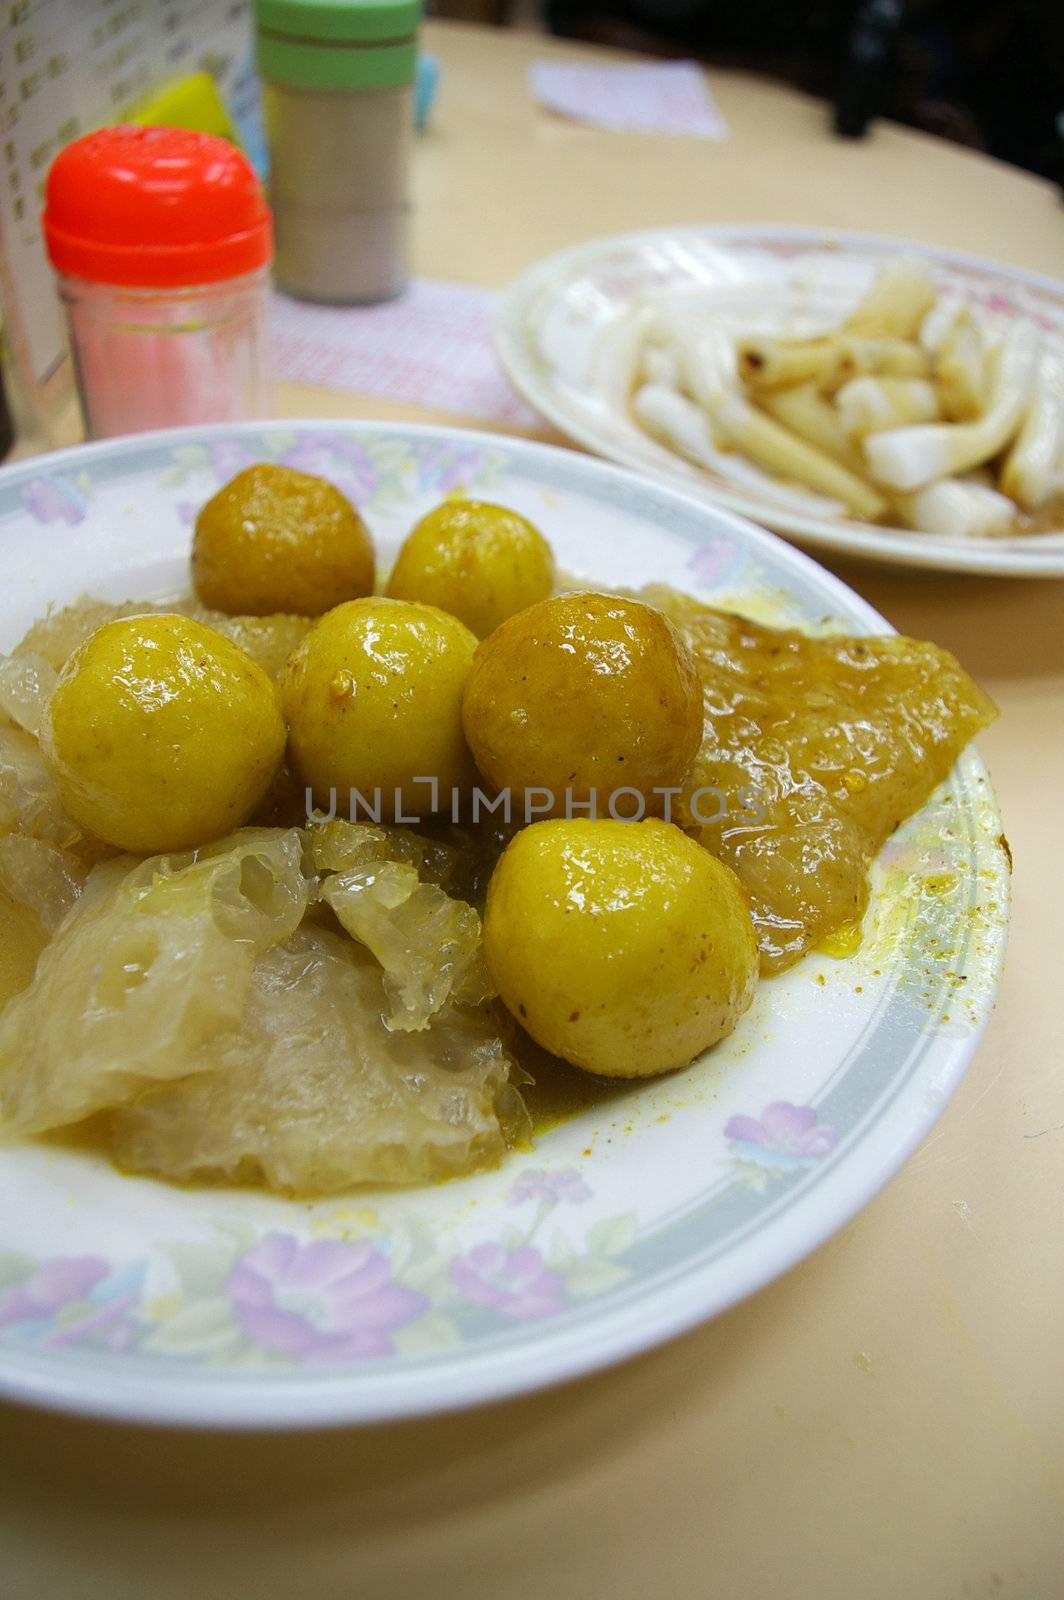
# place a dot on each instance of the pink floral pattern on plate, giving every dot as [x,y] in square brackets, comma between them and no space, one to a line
[549,1187]
[282,1298]
[516,1283]
[372,472]
[320,1301]
[785,1138]
[54,499]
[72,1300]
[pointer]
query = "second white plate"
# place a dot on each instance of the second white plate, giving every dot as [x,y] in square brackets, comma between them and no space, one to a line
[554,315]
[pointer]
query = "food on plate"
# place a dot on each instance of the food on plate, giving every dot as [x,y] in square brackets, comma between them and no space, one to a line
[808,413]
[384,891]
[584,692]
[22,938]
[911,391]
[896,305]
[833,741]
[225,1036]
[45,857]
[909,458]
[274,539]
[373,701]
[154,961]
[25,685]
[268,640]
[623,947]
[216,976]
[162,734]
[1035,463]
[739,425]
[480,562]
[771,364]
[313,1093]
[958,506]
[867,405]
[960,362]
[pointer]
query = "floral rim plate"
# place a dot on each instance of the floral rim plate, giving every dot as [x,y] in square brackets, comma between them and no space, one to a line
[552,317]
[127,1298]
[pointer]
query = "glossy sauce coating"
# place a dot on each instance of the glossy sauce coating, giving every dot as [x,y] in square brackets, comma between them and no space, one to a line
[623,947]
[841,738]
[373,699]
[583,692]
[479,561]
[274,539]
[162,733]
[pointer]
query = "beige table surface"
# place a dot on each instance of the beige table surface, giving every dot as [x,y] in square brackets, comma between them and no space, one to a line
[887,1420]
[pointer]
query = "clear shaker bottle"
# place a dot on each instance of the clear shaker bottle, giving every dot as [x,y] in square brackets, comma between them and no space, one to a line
[338,97]
[161,239]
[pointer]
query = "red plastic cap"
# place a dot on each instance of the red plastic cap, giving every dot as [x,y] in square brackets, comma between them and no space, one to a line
[156,208]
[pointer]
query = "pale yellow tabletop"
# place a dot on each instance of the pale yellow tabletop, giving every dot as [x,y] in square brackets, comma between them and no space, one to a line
[888,1420]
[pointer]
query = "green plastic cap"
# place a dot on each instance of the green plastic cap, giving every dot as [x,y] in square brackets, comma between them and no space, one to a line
[338,44]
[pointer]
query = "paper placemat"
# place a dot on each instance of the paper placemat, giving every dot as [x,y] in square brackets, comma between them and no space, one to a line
[668,97]
[430,347]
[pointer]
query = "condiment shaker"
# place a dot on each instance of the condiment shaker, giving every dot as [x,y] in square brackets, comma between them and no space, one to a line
[338,86]
[161,238]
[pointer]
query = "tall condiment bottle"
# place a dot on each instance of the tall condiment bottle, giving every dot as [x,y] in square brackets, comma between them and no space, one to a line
[161,240]
[338,92]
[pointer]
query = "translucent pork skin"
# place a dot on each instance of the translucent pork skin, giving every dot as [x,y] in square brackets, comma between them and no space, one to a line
[840,738]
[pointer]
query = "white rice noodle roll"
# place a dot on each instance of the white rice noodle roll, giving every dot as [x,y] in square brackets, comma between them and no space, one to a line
[682,426]
[812,417]
[908,458]
[961,369]
[896,304]
[870,404]
[958,508]
[1031,473]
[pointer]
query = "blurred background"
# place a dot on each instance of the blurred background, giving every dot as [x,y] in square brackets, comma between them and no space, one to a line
[987,75]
